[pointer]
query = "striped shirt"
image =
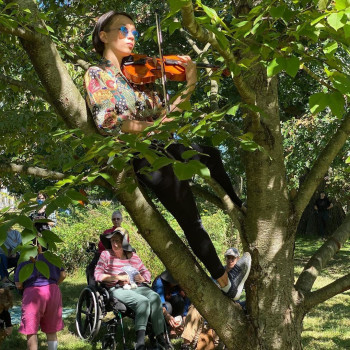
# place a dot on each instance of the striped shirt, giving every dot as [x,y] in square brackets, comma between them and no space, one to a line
[109,264]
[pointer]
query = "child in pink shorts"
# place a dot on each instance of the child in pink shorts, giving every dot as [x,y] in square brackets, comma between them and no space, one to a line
[42,304]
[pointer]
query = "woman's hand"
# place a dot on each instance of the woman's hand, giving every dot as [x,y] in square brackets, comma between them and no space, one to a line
[139,279]
[191,69]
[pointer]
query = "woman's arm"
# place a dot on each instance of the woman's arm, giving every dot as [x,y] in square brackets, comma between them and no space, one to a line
[191,78]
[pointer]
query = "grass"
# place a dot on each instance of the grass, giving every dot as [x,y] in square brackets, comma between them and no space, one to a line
[327,327]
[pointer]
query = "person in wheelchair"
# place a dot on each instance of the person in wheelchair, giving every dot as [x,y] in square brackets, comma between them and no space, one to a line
[117,219]
[123,272]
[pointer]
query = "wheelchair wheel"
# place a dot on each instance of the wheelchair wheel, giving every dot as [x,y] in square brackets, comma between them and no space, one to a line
[109,343]
[88,313]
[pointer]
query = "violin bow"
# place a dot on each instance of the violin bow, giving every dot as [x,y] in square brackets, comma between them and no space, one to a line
[162,65]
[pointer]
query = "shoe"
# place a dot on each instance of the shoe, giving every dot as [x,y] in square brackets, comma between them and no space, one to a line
[238,275]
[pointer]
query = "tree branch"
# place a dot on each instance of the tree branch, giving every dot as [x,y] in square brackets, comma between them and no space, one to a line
[52,72]
[205,36]
[201,192]
[29,170]
[317,78]
[320,259]
[321,165]
[321,295]
[183,266]
[24,85]
[19,32]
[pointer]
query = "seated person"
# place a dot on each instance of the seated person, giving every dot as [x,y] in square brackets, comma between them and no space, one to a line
[5,317]
[110,269]
[117,219]
[13,239]
[174,299]
[194,323]
[7,257]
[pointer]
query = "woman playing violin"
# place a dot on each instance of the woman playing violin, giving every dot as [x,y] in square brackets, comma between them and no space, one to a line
[118,106]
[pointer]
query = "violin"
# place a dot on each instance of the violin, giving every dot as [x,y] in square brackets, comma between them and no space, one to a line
[141,69]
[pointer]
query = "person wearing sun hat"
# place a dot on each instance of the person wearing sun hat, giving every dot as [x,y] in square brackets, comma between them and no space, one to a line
[117,219]
[113,270]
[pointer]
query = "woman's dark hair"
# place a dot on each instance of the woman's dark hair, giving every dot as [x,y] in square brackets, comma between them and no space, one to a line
[103,24]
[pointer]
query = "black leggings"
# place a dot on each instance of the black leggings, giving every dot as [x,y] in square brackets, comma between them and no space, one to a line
[178,199]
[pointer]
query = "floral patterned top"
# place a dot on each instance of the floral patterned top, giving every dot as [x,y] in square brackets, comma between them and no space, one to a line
[113,99]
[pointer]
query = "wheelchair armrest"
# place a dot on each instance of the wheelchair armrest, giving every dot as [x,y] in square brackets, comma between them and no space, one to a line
[114,302]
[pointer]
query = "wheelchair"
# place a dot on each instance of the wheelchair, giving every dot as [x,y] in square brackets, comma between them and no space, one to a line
[94,303]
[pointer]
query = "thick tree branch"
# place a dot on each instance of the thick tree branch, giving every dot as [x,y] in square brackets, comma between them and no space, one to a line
[29,170]
[201,192]
[24,85]
[19,32]
[52,72]
[321,165]
[320,259]
[229,206]
[321,295]
[205,36]
[183,266]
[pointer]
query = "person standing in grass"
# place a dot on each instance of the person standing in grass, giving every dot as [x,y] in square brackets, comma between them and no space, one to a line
[42,303]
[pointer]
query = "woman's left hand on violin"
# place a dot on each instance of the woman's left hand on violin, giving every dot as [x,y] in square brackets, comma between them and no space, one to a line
[191,69]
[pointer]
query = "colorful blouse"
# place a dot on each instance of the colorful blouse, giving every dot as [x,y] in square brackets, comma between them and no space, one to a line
[109,264]
[113,99]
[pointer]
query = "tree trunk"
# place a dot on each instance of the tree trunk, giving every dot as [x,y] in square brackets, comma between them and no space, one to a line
[269,228]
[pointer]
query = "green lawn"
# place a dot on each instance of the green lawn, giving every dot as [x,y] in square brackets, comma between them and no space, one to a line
[326,327]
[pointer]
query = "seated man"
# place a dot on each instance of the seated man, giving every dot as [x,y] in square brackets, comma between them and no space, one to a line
[194,323]
[8,257]
[174,300]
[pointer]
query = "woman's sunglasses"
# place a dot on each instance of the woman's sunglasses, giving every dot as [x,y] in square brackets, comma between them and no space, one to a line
[125,31]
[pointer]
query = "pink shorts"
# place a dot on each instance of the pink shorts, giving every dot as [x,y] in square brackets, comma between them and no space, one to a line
[41,306]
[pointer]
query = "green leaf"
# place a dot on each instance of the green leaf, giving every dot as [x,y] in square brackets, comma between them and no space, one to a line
[25,271]
[173,26]
[50,236]
[341,82]
[28,252]
[76,195]
[109,179]
[322,4]
[336,104]
[28,235]
[41,30]
[337,20]
[183,171]
[342,4]
[188,154]
[347,161]
[330,47]
[43,268]
[53,258]
[276,66]
[318,102]
[277,12]
[233,110]
[161,162]
[292,66]
[25,221]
